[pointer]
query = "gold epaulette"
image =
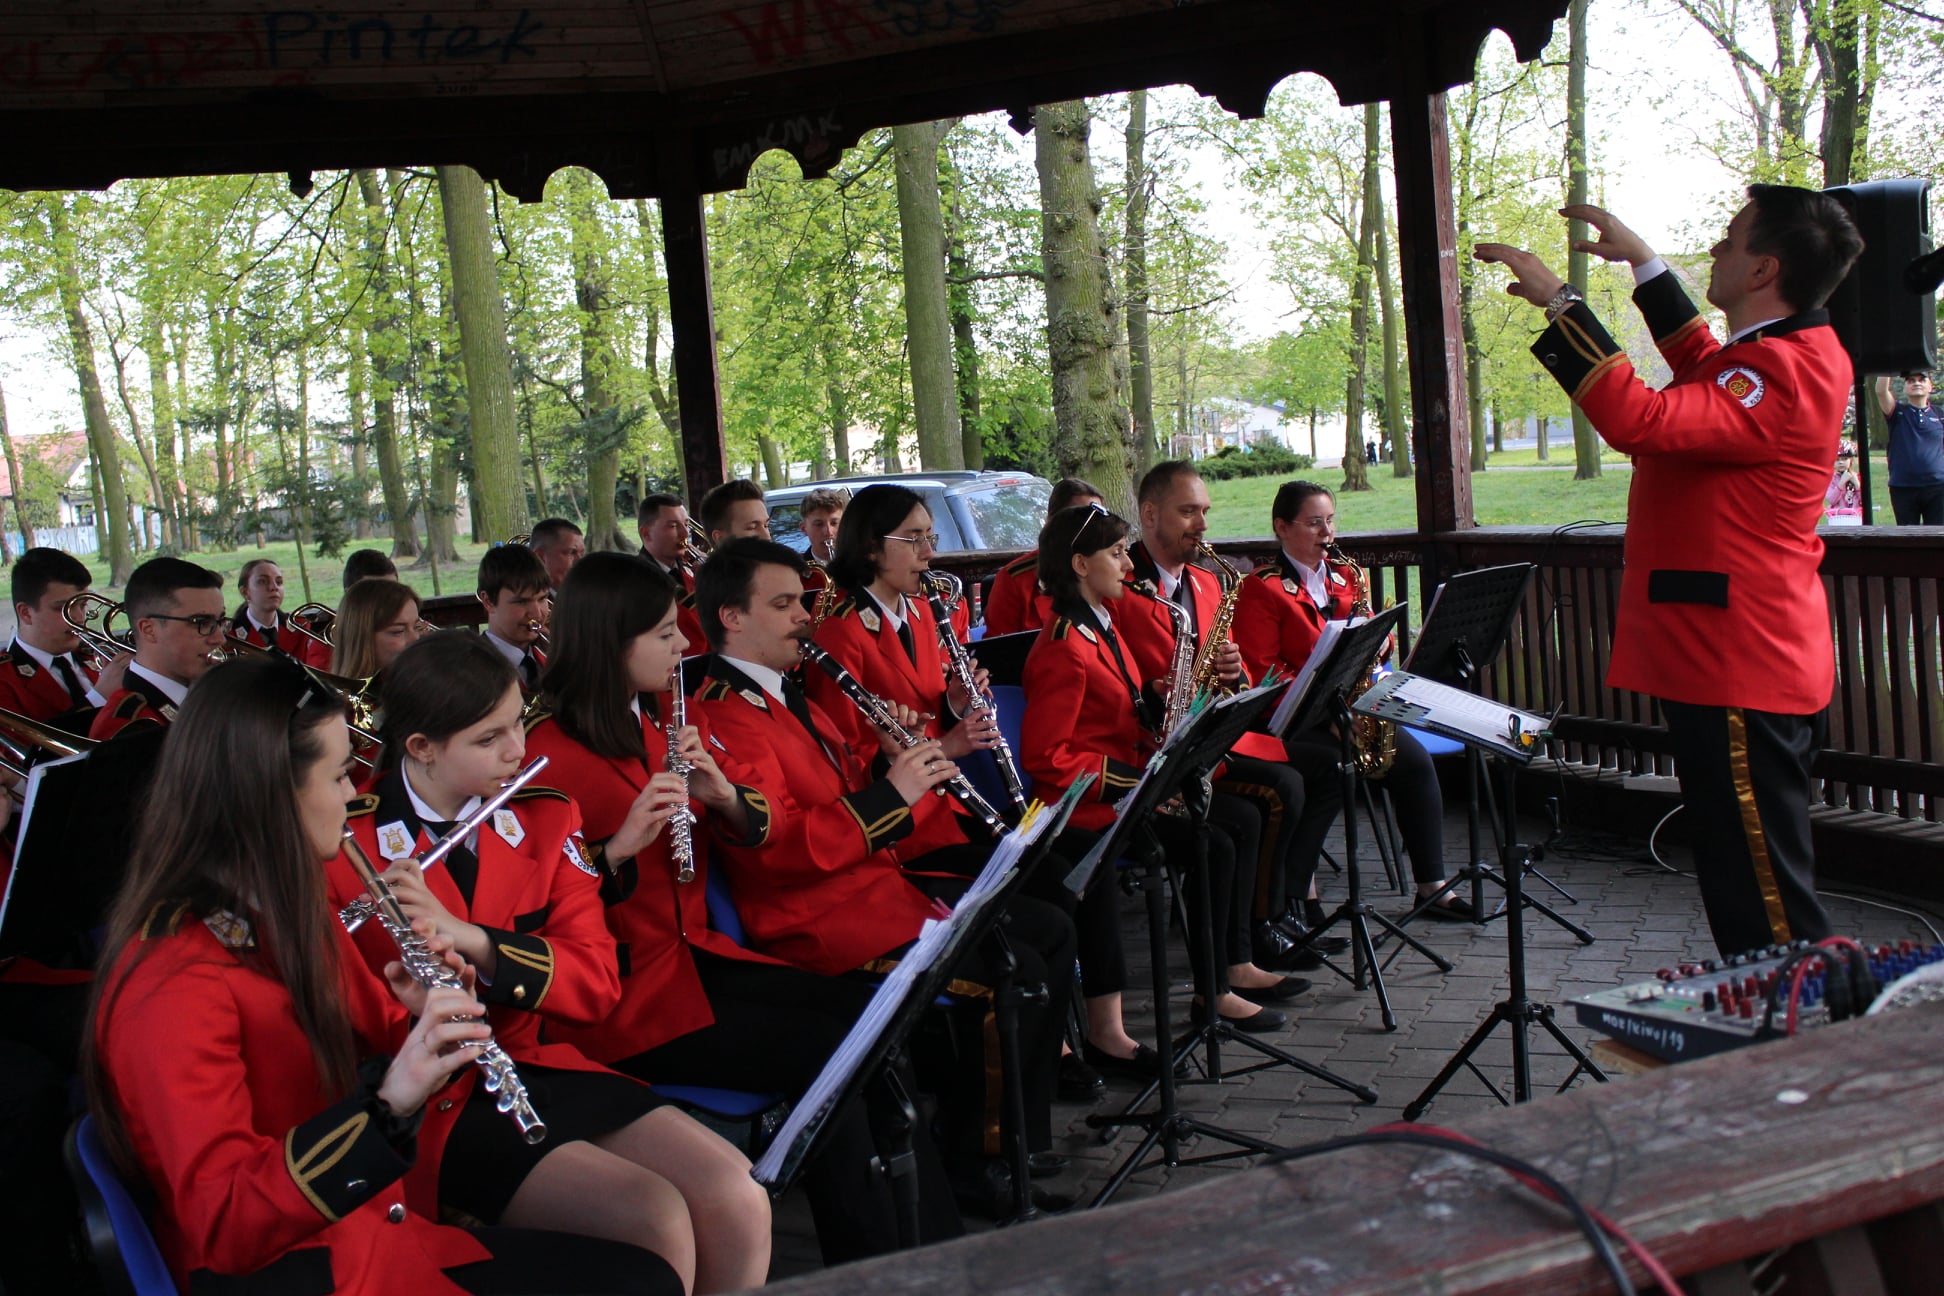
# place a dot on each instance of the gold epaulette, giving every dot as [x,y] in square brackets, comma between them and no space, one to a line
[129,707]
[534,792]
[1267,574]
[360,806]
[1023,564]
[532,719]
[714,691]
[1062,627]
[164,919]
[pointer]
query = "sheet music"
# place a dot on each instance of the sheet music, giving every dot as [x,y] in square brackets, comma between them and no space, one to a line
[1427,704]
[34,777]
[1292,700]
[933,939]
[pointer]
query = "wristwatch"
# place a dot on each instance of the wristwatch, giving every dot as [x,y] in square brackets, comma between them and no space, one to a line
[1565,297]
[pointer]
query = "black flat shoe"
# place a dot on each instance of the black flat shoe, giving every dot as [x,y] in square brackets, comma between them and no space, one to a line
[1273,951]
[1303,937]
[1046,1165]
[1267,1019]
[1142,1066]
[1287,988]
[1078,1081]
[1453,908]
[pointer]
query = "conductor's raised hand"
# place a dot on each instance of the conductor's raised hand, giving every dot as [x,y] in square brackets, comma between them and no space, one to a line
[1531,279]
[1616,241]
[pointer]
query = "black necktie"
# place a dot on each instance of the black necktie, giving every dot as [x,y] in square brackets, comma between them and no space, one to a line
[799,706]
[904,637]
[1184,595]
[529,671]
[463,864]
[70,679]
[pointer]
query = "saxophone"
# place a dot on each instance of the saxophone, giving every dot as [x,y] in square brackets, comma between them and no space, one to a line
[1181,671]
[1374,740]
[1218,633]
[681,824]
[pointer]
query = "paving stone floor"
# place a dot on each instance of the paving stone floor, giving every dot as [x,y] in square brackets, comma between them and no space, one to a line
[1642,918]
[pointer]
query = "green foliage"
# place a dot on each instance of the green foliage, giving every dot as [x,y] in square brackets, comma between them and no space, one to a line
[1263,459]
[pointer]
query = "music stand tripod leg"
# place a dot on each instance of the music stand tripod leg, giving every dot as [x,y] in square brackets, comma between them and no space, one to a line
[1008,996]
[893,1127]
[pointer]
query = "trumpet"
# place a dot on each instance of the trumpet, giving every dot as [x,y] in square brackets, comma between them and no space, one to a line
[102,641]
[21,737]
[697,547]
[879,714]
[315,620]
[944,590]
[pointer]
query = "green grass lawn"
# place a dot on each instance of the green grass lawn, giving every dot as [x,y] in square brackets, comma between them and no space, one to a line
[325,573]
[1542,497]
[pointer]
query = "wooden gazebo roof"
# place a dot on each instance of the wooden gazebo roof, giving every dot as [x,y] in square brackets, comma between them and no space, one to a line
[675,98]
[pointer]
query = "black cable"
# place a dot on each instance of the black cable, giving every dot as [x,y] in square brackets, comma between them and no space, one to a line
[1595,1235]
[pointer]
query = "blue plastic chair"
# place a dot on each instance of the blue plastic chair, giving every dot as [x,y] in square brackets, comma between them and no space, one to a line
[118,1233]
[982,768]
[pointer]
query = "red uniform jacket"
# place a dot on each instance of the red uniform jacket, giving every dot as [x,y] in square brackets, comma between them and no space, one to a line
[1017,602]
[686,618]
[255,1169]
[136,704]
[656,922]
[29,689]
[1277,623]
[1721,603]
[539,902]
[289,640]
[860,638]
[1080,717]
[825,890]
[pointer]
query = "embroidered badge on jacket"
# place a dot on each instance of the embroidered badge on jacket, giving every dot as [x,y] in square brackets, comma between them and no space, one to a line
[870,618]
[508,826]
[394,843]
[27,670]
[577,852]
[1744,384]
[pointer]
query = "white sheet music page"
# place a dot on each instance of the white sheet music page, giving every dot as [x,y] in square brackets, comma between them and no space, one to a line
[1426,704]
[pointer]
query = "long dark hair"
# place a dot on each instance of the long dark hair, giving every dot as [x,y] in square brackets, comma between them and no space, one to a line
[220,830]
[447,681]
[1086,529]
[874,513]
[367,607]
[607,602]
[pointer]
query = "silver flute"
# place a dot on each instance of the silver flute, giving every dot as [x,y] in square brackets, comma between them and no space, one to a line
[498,1076]
[943,589]
[880,715]
[681,824]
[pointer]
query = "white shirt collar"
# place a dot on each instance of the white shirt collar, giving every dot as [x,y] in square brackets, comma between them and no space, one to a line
[509,651]
[895,616]
[1103,616]
[45,659]
[170,689]
[1314,579]
[250,616]
[770,681]
[1168,581]
[1739,334]
[426,814]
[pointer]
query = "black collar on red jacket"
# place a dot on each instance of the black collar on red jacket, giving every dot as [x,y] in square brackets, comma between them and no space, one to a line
[158,701]
[1784,327]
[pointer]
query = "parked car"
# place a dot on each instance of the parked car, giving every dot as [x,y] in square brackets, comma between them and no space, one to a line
[970,510]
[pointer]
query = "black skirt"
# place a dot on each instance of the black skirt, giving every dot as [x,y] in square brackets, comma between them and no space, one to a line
[487,1159]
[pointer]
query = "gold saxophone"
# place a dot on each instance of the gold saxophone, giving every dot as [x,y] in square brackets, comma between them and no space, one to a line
[1218,633]
[1374,740]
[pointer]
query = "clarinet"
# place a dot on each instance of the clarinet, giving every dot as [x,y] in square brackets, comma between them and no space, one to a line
[959,662]
[884,722]
[498,1076]
[681,824]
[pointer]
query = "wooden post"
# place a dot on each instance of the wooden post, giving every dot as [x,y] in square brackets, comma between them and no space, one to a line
[1427,248]
[691,317]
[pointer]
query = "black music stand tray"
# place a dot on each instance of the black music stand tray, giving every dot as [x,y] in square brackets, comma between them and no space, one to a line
[1183,770]
[882,1043]
[1517,1010]
[1467,628]
[1326,702]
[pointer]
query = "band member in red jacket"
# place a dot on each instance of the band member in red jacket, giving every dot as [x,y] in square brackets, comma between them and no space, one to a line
[1277,623]
[662,522]
[520,902]
[1088,711]
[1018,602]
[262,621]
[514,590]
[1722,612]
[48,676]
[176,609]
[268,1090]
[855,862]
[696,1008]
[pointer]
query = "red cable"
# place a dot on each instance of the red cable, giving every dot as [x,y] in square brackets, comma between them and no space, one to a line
[1795,989]
[1648,1261]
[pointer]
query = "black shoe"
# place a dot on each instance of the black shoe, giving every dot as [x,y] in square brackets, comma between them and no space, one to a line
[1053,1203]
[1287,988]
[1265,1020]
[1301,933]
[1453,908]
[1046,1165]
[1274,951]
[1078,1081]
[1142,1066]
[982,1188]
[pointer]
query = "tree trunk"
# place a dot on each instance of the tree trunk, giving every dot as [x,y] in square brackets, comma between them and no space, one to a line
[664,398]
[357,386]
[1545,438]
[1313,435]
[773,470]
[837,403]
[1586,442]
[965,342]
[928,322]
[1394,398]
[101,433]
[1468,285]
[481,313]
[1837,48]
[1090,423]
[1356,473]
[1140,356]
[391,362]
[593,293]
[13,476]
[135,434]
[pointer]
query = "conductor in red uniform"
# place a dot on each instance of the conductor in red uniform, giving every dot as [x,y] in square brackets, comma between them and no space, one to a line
[1722,611]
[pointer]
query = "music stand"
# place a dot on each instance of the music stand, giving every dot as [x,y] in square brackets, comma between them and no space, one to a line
[1470,620]
[1003,657]
[1493,729]
[1181,768]
[1326,702]
[871,1049]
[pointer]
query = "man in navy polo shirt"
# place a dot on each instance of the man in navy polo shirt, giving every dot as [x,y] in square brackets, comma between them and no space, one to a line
[1916,451]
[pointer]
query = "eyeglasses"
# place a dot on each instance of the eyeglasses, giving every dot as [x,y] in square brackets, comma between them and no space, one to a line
[202,625]
[928,539]
[1094,512]
[1319,524]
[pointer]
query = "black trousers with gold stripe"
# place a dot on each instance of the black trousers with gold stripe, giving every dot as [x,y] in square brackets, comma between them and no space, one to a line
[1746,789]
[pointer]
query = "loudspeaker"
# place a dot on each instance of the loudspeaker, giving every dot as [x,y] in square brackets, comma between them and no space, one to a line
[1886,317]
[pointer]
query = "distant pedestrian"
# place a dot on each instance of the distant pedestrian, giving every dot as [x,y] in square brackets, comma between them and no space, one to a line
[1916,451]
